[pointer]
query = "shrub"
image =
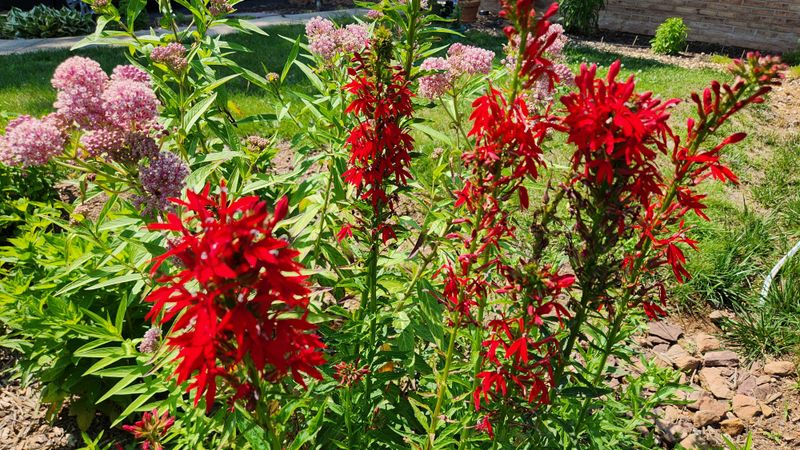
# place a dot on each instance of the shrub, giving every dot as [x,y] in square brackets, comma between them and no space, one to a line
[580,16]
[43,21]
[670,37]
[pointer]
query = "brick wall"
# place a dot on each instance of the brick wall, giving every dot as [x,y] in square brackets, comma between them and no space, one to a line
[761,24]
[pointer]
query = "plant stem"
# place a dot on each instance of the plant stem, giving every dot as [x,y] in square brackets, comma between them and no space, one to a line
[324,211]
[442,384]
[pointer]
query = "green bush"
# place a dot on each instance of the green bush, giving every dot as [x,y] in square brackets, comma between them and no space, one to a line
[670,37]
[580,16]
[43,21]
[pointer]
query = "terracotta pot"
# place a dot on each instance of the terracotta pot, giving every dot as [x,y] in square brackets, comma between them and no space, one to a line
[469,10]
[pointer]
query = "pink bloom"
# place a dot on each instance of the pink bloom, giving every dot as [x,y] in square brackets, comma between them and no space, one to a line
[172,55]
[373,14]
[80,83]
[436,84]
[353,38]
[30,142]
[469,60]
[319,27]
[129,72]
[103,141]
[130,105]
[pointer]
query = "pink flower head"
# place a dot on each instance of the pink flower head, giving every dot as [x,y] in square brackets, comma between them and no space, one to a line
[130,105]
[436,84]
[353,38]
[150,340]
[30,142]
[129,72]
[326,41]
[80,83]
[220,7]
[374,14]
[557,47]
[151,429]
[469,60]
[172,55]
[103,141]
[319,27]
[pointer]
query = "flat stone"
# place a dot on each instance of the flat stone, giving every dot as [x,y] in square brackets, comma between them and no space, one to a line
[766,410]
[722,358]
[745,407]
[732,427]
[663,347]
[695,398]
[706,343]
[682,360]
[704,418]
[718,316]
[779,368]
[711,378]
[690,442]
[665,331]
[747,385]
[763,379]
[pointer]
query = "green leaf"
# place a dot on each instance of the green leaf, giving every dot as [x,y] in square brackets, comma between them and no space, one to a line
[116,280]
[292,57]
[134,9]
[198,110]
[310,430]
[121,384]
[244,26]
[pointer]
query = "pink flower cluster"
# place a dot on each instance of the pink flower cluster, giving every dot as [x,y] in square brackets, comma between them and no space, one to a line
[220,7]
[30,141]
[462,60]
[162,178]
[172,55]
[327,41]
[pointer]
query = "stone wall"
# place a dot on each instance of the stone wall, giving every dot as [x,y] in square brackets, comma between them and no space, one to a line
[761,24]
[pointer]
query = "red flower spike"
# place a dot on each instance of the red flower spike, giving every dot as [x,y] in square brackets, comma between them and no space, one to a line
[249,293]
[151,429]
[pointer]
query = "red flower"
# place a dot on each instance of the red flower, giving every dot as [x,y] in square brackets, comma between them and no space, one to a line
[345,232]
[379,145]
[618,133]
[239,295]
[151,428]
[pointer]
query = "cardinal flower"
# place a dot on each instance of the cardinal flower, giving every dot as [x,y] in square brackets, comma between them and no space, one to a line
[239,298]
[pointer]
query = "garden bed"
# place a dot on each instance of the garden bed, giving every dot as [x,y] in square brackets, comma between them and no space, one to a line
[451,299]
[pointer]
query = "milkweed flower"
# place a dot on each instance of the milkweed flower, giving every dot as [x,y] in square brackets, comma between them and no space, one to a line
[103,141]
[239,294]
[132,73]
[31,142]
[220,7]
[462,60]
[162,178]
[80,83]
[151,429]
[150,340]
[326,40]
[172,55]
[130,105]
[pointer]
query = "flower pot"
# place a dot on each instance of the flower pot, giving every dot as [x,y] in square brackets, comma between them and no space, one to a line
[469,10]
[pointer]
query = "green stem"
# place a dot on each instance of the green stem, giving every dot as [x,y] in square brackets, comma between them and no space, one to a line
[442,384]
[611,338]
[324,212]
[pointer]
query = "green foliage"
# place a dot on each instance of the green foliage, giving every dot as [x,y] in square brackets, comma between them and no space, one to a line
[580,16]
[770,326]
[730,261]
[670,37]
[69,302]
[43,21]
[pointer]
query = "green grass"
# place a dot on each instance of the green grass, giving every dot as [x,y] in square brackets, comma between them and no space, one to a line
[25,79]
